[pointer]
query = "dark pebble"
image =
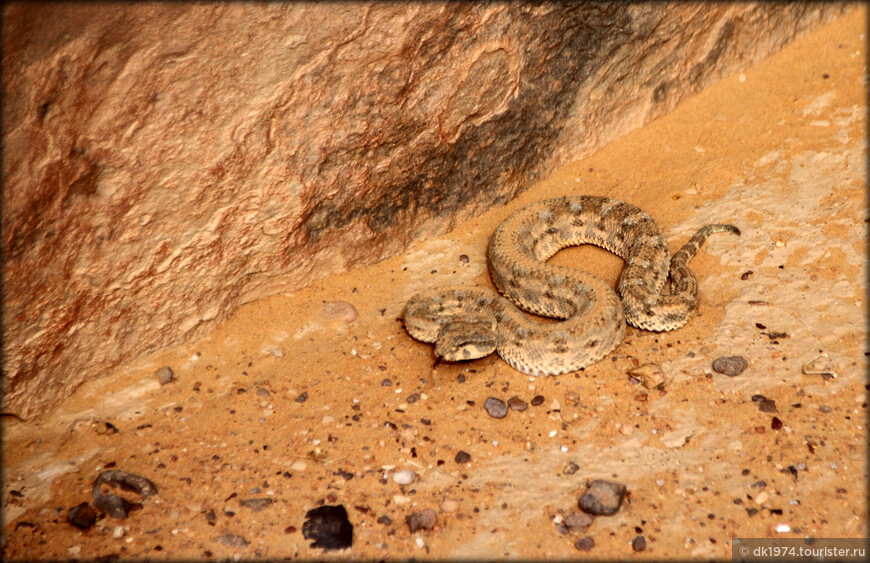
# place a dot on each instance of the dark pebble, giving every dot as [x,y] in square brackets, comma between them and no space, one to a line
[232,540]
[164,375]
[262,392]
[776,423]
[578,520]
[495,407]
[82,516]
[517,404]
[767,405]
[256,504]
[602,498]
[462,457]
[423,520]
[210,516]
[585,543]
[386,383]
[460,378]
[385,520]
[329,527]
[463,258]
[638,543]
[732,366]
[744,277]
[571,468]
[290,530]
[412,398]
[302,398]
[537,400]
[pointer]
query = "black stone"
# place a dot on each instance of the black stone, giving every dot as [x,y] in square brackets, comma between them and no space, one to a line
[329,527]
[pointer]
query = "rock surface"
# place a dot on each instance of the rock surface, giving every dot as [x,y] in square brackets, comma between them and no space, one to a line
[166,163]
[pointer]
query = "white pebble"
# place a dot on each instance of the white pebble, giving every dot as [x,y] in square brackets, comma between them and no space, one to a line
[419,541]
[553,433]
[118,532]
[782,528]
[404,477]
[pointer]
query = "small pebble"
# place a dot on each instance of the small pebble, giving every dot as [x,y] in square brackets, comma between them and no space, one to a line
[732,366]
[462,457]
[517,404]
[386,383]
[385,520]
[602,498]
[578,520]
[449,506]
[571,468]
[404,477]
[638,543]
[423,520]
[164,375]
[82,516]
[495,407]
[302,397]
[825,408]
[585,543]
[767,405]
[232,540]
[118,532]
[412,398]
[256,504]
[463,258]
[329,527]
[650,376]
[338,311]
[783,528]
[537,400]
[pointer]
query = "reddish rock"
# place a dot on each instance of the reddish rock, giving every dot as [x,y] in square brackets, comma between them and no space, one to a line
[164,163]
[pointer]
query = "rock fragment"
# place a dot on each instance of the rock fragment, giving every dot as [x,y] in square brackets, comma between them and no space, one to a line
[602,498]
[338,311]
[732,366]
[578,520]
[650,376]
[585,543]
[164,375]
[496,408]
[423,520]
[329,527]
[638,543]
[404,477]
[257,504]
[82,516]
[517,404]
[232,540]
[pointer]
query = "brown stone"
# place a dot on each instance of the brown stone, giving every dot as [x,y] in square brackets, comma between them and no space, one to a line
[165,163]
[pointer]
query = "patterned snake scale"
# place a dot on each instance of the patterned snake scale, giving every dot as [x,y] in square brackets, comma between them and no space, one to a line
[470,322]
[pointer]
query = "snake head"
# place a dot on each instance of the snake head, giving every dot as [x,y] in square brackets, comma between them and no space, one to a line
[466,340]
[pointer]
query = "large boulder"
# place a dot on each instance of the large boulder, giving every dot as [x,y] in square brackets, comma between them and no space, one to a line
[167,162]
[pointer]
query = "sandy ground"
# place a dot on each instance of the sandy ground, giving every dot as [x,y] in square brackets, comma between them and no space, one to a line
[779,151]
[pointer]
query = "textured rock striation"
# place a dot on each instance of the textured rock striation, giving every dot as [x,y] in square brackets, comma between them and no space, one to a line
[165,163]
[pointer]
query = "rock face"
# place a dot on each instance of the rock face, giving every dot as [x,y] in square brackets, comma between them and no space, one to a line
[165,163]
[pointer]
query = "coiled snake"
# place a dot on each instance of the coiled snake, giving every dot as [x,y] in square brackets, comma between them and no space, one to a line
[470,322]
